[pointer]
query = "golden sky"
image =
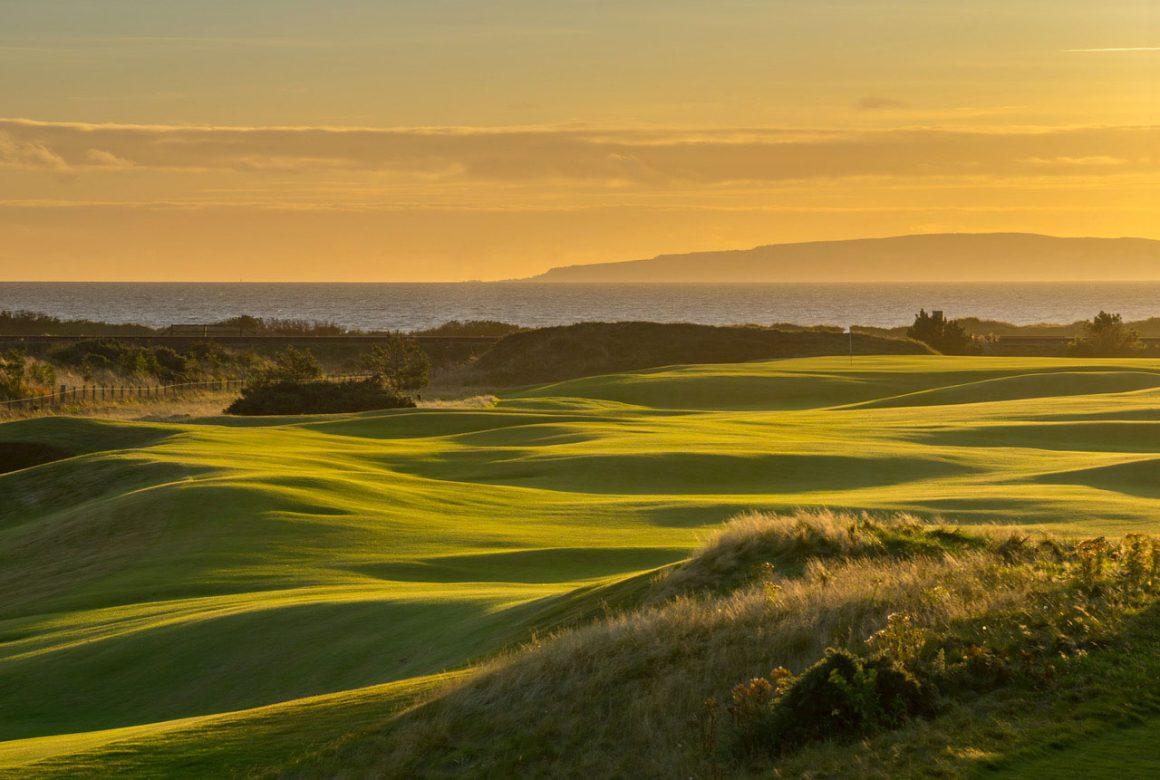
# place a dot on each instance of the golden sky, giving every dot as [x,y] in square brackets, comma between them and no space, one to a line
[406,140]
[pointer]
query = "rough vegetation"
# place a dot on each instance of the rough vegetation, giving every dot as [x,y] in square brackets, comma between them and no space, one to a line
[21,376]
[293,384]
[949,337]
[1106,335]
[880,642]
[102,358]
[552,354]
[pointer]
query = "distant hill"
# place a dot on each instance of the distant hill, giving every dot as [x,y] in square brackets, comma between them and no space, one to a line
[937,258]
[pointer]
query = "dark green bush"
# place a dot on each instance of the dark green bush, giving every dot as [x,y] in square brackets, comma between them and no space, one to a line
[840,697]
[1106,335]
[947,336]
[398,362]
[293,365]
[316,397]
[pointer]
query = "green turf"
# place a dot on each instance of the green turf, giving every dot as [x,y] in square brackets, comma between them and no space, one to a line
[209,569]
[1125,752]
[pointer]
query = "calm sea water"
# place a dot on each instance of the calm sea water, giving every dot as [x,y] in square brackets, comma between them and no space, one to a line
[413,306]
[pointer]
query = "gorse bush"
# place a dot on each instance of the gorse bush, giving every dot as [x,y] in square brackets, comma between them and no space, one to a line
[840,697]
[293,384]
[96,358]
[316,397]
[845,695]
[20,376]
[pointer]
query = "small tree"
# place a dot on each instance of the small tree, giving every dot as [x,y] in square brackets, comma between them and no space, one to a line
[293,365]
[947,336]
[1105,335]
[398,363]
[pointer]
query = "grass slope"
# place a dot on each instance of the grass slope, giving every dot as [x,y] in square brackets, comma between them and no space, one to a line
[180,579]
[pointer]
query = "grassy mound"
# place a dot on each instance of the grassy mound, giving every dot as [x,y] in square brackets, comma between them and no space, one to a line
[586,349]
[986,617]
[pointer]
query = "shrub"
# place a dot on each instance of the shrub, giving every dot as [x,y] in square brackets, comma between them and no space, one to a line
[292,366]
[316,397]
[1091,555]
[947,336]
[840,697]
[96,356]
[21,377]
[901,640]
[470,329]
[274,326]
[398,363]
[1105,335]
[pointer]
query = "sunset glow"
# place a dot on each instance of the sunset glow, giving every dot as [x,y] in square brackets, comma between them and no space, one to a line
[448,140]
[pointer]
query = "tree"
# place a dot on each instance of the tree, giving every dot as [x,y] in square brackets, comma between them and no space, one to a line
[1105,335]
[398,363]
[293,365]
[947,336]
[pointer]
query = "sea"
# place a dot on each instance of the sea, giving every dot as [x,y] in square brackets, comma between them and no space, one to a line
[417,306]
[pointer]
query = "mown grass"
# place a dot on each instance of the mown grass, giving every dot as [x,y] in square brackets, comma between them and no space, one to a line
[212,566]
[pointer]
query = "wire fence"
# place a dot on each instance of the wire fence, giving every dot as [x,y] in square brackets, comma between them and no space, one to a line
[69,396]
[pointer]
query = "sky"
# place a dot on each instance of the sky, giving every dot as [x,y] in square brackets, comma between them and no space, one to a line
[444,140]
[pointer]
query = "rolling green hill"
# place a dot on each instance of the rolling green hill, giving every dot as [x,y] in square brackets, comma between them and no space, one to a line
[225,595]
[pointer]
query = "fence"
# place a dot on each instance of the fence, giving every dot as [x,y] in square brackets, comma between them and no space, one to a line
[77,395]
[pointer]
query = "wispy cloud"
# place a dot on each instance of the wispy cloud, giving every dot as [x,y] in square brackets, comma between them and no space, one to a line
[1115,50]
[626,157]
[874,103]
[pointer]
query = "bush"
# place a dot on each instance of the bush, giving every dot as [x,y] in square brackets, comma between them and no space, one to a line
[1105,335]
[293,366]
[316,397]
[21,377]
[471,329]
[398,363]
[96,356]
[947,336]
[842,696]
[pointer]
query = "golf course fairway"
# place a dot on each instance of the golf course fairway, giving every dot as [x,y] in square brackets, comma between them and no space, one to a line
[217,596]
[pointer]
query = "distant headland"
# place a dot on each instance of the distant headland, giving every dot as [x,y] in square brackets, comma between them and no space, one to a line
[945,257]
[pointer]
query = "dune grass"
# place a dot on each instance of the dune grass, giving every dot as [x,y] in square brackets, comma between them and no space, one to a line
[213,567]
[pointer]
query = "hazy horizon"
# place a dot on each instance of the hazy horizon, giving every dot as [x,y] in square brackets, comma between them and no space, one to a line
[545,275]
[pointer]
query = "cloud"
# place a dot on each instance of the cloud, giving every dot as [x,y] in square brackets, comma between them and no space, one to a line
[17,153]
[880,104]
[103,159]
[1096,161]
[1115,50]
[604,157]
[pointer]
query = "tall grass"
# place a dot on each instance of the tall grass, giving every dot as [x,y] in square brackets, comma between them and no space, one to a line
[626,696]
